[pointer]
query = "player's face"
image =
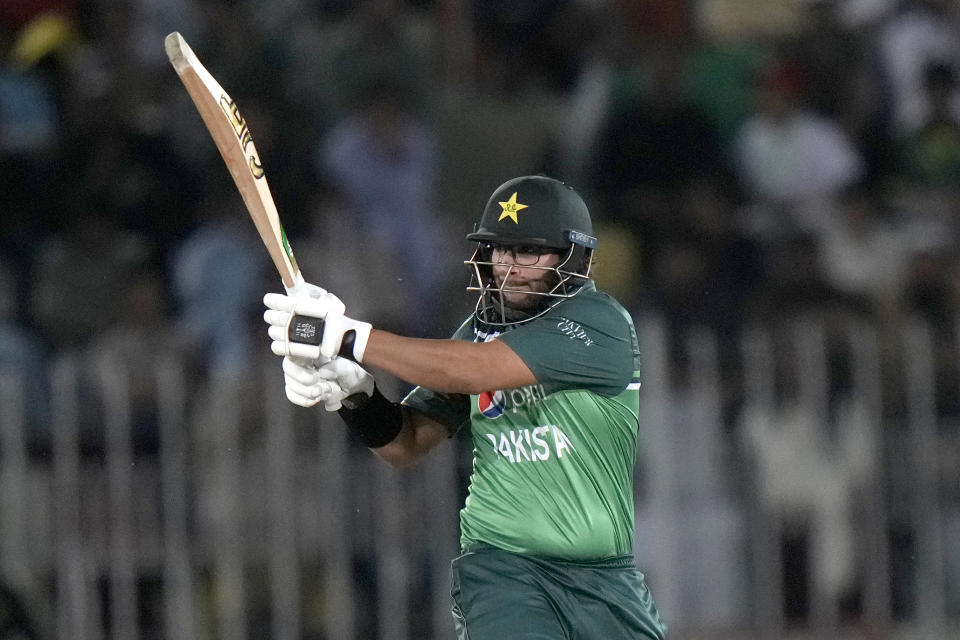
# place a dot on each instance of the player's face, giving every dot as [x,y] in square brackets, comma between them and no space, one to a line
[522,272]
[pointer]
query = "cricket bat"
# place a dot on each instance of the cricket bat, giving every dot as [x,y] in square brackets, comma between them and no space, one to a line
[232,137]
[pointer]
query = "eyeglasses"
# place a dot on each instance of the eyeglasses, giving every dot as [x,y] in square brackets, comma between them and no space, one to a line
[523,255]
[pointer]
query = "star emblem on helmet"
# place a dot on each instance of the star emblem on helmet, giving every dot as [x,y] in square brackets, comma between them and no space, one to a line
[510,209]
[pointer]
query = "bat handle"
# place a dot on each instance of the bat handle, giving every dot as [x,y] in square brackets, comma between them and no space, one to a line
[299,288]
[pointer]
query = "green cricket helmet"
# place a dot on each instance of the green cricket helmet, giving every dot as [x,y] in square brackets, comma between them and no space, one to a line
[535,210]
[532,215]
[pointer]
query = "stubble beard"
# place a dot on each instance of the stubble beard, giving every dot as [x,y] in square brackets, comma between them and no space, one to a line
[527,297]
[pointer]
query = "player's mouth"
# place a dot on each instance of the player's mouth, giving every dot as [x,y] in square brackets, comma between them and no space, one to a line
[519,288]
[520,294]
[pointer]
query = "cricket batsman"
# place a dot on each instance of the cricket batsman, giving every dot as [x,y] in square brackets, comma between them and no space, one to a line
[545,375]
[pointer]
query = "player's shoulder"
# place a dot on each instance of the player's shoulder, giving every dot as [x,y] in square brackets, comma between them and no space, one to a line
[593,307]
[591,297]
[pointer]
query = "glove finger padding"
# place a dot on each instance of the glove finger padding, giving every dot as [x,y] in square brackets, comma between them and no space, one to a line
[349,375]
[330,402]
[306,385]
[281,310]
[313,291]
[277,334]
[334,369]
[300,370]
[316,391]
[335,401]
[313,327]
[321,307]
[297,399]
[296,350]
[277,318]
[303,289]
[327,392]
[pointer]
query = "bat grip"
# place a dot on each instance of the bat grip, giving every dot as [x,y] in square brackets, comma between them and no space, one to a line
[299,288]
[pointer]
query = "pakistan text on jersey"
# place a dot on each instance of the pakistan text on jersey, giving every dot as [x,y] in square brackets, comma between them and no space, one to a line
[531,445]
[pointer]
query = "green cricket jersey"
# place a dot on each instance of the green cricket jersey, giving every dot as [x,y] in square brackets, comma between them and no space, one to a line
[553,462]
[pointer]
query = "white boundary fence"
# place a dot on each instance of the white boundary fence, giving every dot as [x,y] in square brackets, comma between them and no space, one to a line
[259,519]
[246,526]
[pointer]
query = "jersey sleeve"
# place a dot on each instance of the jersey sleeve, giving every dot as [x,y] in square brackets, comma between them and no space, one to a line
[588,342]
[452,410]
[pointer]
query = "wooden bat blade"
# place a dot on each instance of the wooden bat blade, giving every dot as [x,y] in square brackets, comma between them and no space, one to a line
[232,136]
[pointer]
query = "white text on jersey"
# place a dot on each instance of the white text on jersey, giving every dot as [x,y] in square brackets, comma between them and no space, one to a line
[531,445]
[573,331]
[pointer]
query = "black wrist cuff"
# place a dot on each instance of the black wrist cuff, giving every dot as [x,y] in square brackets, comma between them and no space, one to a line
[375,422]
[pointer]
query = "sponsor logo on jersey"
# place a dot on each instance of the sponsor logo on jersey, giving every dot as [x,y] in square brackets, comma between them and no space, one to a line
[491,403]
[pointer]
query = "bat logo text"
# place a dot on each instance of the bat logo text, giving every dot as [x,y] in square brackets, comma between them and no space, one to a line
[240,127]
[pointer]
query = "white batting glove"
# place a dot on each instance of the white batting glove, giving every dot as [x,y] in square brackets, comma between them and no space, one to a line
[329,383]
[313,327]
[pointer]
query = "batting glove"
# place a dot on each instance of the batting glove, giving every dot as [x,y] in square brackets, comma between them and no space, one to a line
[332,383]
[313,327]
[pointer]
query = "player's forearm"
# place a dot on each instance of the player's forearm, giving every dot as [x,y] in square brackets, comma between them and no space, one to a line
[441,365]
[452,366]
[417,438]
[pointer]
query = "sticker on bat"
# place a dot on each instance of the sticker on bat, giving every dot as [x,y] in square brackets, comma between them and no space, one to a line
[240,127]
[287,248]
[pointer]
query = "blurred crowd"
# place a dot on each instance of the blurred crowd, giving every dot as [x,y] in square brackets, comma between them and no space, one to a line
[743,163]
[746,162]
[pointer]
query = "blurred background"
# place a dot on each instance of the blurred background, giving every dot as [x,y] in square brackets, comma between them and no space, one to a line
[775,187]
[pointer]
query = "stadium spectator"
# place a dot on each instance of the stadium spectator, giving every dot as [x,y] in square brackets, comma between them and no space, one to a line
[930,155]
[654,143]
[143,330]
[78,272]
[917,33]
[382,159]
[24,357]
[214,273]
[789,157]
